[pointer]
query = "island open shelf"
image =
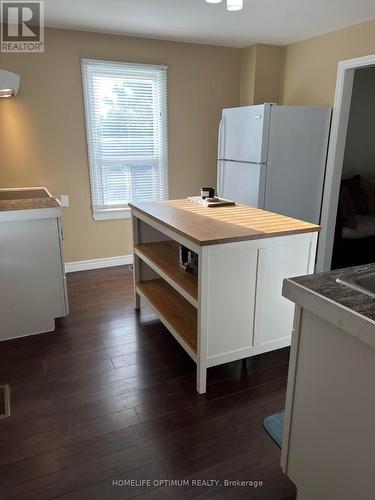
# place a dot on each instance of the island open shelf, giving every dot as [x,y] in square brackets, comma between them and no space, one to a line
[177,314]
[162,257]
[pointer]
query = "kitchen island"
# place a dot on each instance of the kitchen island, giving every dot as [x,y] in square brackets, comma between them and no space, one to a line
[233,308]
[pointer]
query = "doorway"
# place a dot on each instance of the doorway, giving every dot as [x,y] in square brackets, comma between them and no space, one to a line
[336,155]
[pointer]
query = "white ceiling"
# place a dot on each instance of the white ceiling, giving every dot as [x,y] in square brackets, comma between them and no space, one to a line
[261,21]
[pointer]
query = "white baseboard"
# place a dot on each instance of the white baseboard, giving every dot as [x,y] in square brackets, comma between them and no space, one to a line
[86,265]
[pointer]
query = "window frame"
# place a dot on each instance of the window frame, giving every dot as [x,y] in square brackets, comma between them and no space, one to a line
[122,211]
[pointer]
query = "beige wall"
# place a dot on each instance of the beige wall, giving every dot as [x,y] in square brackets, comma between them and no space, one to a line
[248,68]
[307,69]
[42,138]
[311,65]
[261,75]
[269,70]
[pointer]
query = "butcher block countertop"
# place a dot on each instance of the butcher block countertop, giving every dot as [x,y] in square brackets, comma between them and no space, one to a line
[212,226]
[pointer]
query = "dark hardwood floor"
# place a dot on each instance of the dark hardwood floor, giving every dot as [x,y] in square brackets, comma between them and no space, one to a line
[110,396]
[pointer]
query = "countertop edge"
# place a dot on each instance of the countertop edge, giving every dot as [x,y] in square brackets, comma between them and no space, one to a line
[30,214]
[351,322]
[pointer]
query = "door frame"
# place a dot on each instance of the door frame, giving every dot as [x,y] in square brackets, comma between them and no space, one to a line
[335,158]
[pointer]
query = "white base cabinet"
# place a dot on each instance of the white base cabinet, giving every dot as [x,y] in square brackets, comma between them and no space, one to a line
[329,438]
[32,277]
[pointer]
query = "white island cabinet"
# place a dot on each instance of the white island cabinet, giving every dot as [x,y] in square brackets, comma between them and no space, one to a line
[233,308]
[32,276]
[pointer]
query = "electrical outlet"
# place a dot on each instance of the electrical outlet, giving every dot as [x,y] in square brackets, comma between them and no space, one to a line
[64,200]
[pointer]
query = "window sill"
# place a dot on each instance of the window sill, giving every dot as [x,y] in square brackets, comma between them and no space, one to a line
[112,214]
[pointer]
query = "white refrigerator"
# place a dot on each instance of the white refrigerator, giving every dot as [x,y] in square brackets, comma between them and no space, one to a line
[274,157]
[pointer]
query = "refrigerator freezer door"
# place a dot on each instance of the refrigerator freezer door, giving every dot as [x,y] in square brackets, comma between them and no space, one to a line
[243,133]
[242,182]
[297,153]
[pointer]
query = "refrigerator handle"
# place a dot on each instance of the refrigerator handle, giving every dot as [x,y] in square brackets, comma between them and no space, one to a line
[222,132]
[220,180]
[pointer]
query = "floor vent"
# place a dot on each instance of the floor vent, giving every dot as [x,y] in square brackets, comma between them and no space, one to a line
[4,401]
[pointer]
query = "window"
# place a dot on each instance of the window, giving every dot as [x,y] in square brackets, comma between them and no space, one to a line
[126,118]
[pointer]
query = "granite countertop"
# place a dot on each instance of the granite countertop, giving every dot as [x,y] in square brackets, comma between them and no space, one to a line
[28,204]
[325,285]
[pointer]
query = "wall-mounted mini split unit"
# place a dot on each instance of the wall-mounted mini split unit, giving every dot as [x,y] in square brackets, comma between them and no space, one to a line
[9,83]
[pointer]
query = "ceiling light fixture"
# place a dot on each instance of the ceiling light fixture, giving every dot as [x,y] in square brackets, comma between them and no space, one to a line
[234,5]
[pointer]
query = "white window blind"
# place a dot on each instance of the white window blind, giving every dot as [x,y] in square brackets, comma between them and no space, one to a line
[126,124]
